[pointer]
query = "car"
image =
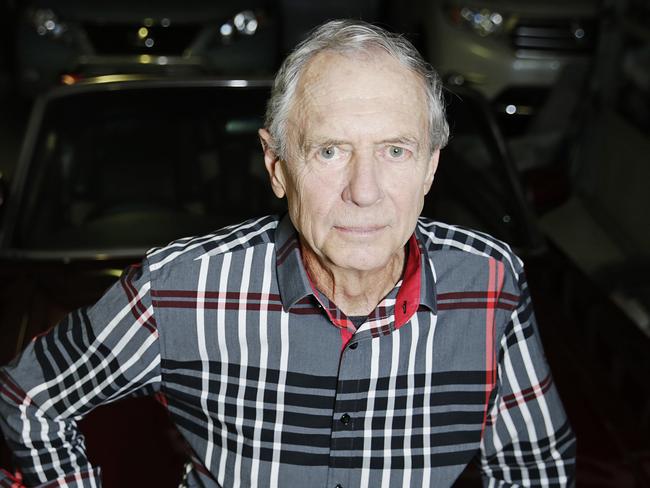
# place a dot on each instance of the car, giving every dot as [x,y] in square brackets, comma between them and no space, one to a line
[64,40]
[113,166]
[511,51]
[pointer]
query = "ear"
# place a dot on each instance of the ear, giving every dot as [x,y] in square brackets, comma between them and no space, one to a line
[273,165]
[432,166]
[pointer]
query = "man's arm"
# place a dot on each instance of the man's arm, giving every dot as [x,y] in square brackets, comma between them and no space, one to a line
[94,356]
[527,439]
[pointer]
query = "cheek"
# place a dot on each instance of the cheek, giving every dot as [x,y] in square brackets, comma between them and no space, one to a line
[311,202]
[319,190]
[407,197]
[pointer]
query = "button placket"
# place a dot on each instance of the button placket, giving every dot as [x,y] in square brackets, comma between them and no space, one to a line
[343,422]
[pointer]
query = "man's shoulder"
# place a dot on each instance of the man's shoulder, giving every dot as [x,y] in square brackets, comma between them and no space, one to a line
[217,244]
[438,236]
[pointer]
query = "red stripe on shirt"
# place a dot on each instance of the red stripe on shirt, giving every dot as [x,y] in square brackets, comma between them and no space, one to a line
[131,292]
[524,396]
[13,391]
[473,305]
[408,296]
[495,285]
[230,295]
[461,295]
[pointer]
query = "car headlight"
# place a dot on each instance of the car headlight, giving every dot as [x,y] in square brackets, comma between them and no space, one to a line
[47,23]
[245,23]
[483,21]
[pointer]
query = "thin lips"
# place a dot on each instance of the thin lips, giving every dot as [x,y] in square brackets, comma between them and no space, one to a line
[360,228]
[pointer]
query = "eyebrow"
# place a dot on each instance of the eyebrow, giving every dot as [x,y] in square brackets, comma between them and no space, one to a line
[408,140]
[326,142]
[312,143]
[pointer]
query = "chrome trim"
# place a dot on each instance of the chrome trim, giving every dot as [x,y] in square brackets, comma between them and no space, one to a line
[136,59]
[140,81]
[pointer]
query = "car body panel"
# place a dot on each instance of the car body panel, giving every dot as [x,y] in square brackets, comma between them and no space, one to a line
[493,63]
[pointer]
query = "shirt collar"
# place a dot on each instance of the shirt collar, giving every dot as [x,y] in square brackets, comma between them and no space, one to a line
[427,277]
[293,281]
[418,284]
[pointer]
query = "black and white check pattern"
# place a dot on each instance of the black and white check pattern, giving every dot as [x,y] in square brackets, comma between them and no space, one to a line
[269,391]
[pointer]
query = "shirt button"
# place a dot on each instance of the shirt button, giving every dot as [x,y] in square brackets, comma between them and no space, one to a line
[354,345]
[345,419]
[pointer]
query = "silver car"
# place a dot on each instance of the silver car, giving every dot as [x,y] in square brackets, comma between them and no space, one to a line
[510,50]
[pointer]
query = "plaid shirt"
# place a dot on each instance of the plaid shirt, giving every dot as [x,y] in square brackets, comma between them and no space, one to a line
[272,385]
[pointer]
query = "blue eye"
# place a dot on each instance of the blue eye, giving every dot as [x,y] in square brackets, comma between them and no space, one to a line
[328,153]
[395,151]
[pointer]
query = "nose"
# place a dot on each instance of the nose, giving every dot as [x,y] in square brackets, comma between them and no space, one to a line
[364,184]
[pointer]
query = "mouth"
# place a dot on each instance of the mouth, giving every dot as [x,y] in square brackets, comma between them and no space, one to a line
[359,230]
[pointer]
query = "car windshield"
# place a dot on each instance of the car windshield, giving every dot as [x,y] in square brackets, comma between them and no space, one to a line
[140,167]
[135,168]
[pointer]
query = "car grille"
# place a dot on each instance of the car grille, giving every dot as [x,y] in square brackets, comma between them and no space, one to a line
[123,39]
[555,36]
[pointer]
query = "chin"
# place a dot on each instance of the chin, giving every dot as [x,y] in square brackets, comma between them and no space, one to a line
[363,261]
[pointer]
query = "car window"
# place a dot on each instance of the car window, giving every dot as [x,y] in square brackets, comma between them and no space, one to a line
[131,169]
[138,168]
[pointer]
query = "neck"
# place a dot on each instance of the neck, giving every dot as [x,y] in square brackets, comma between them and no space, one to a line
[355,292]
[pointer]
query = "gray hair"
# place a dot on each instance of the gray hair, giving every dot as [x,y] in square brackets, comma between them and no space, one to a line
[351,36]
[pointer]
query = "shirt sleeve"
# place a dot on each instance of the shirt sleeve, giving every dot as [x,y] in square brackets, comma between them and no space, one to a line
[94,356]
[527,439]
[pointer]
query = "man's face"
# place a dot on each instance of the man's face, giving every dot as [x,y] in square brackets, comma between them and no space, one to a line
[359,162]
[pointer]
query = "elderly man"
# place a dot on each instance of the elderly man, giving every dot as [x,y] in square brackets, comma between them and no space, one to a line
[347,344]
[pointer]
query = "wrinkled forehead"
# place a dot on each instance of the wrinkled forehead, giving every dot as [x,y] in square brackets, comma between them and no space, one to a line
[357,82]
[360,73]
